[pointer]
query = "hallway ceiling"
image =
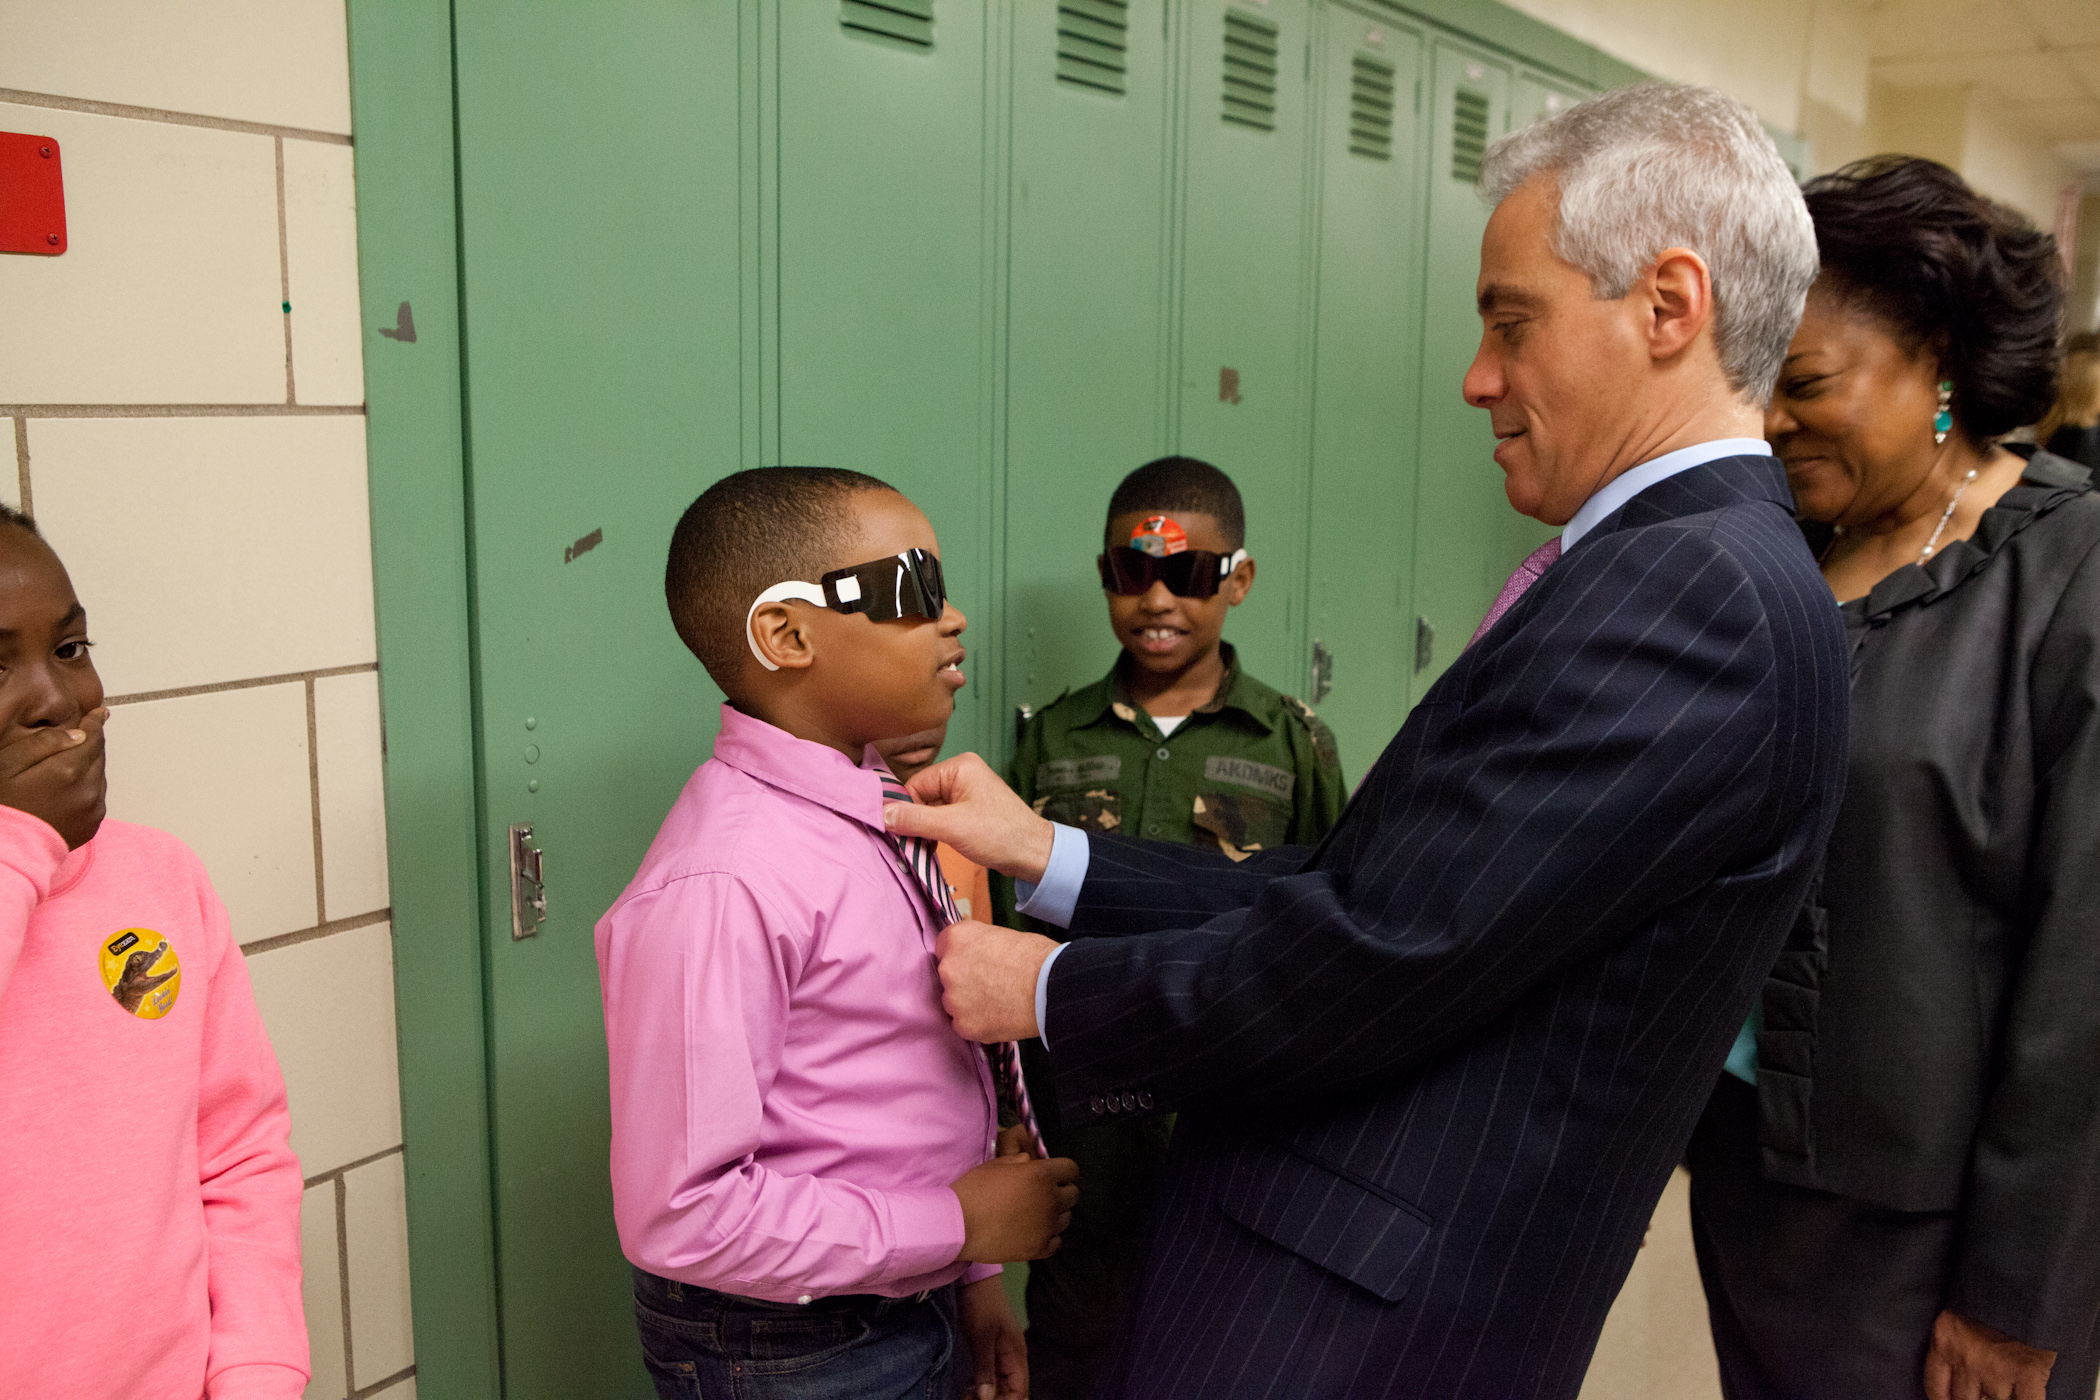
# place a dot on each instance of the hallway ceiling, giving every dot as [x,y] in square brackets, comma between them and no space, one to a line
[2040,58]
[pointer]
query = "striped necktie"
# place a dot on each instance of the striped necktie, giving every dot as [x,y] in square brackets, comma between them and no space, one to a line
[922,859]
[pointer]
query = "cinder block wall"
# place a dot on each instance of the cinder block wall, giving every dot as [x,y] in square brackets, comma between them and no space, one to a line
[182,397]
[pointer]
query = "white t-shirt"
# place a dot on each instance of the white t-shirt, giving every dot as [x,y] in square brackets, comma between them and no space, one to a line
[1168,724]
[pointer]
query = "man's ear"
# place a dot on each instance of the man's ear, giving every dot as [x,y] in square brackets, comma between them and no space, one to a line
[1237,583]
[782,636]
[1679,291]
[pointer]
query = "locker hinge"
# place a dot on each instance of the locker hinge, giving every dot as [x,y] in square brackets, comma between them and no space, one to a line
[528,883]
[1322,672]
[1425,644]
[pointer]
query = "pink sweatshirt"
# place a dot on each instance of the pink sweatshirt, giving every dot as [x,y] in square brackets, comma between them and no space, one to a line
[149,1198]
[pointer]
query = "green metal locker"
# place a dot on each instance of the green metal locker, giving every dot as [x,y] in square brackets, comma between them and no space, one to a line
[1244,296]
[598,255]
[1361,544]
[1088,378]
[885,354]
[1461,554]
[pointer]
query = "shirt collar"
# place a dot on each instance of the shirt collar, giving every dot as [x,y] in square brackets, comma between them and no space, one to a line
[1630,483]
[1232,692]
[816,772]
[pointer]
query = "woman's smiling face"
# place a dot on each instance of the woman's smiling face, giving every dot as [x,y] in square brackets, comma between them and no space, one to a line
[1852,413]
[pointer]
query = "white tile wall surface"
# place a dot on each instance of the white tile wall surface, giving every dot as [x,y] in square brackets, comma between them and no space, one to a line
[283,62]
[376,1202]
[320,216]
[170,289]
[321,1287]
[228,773]
[353,812]
[196,454]
[211,549]
[329,1004]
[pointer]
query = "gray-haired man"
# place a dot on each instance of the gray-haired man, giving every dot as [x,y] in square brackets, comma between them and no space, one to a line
[1433,1077]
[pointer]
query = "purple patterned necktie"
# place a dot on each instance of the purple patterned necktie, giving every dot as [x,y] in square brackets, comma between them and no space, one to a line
[922,859]
[1535,563]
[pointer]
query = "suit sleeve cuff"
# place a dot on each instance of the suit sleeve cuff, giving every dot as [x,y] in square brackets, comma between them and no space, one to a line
[1054,899]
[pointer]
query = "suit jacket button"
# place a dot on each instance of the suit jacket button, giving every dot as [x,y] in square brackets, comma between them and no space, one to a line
[1098,1104]
[1129,1102]
[1144,1101]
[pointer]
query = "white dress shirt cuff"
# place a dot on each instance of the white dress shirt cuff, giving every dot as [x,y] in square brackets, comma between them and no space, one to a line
[1054,899]
[1042,994]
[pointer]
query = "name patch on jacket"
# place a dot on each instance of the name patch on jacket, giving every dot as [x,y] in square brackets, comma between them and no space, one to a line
[1079,772]
[1245,772]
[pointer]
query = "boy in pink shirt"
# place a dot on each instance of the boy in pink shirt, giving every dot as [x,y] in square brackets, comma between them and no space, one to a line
[803,1149]
[149,1198]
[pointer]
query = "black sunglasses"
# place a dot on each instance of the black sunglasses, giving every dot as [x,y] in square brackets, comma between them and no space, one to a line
[907,584]
[900,585]
[1193,573]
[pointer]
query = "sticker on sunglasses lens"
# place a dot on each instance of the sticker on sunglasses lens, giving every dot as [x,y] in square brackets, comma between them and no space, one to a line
[1159,536]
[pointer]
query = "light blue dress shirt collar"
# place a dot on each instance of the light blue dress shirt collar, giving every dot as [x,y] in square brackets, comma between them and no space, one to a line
[1631,482]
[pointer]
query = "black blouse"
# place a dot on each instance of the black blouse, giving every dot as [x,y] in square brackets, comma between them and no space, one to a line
[1931,1037]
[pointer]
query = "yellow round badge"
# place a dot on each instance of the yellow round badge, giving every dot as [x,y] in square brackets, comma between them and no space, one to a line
[141,972]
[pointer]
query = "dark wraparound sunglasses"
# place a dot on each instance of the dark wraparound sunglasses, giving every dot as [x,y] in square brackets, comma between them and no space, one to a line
[908,584]
[1193,573]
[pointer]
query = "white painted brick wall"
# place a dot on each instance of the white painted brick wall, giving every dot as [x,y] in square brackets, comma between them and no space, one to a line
[195,452]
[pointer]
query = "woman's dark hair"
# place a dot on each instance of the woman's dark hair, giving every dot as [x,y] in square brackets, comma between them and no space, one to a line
[1949,272]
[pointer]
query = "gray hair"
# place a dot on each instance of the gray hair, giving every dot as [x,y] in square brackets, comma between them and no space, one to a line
[1656,166]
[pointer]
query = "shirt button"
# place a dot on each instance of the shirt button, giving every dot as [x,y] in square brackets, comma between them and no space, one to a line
[1163,753]
[803,1299]
[1098,1104]
[1152,830]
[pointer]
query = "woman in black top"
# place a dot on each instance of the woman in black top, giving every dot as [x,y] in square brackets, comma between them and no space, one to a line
[1909,1200]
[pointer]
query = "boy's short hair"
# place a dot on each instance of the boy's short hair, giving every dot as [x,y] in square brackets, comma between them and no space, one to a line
[1182,483]
[747,532]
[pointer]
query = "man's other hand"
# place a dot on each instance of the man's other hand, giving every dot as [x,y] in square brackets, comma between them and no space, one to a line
[963,803]
[1970,1361]
[988,980]
[1015,1208]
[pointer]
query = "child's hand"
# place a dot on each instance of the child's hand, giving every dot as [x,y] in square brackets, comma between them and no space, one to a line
[1015,1207]
[56,775]
[998,1351]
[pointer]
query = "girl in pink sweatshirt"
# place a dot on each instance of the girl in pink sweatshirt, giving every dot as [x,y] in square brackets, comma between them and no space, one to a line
[149,1198]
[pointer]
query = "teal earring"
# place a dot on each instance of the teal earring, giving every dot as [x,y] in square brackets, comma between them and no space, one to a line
[1943,421]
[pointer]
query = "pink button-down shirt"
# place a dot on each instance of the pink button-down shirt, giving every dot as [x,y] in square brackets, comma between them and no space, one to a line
[789,1100]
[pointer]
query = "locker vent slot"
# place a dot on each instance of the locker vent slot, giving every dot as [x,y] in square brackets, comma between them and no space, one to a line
[1371,108]
[1469,135]
[1250,71]
[1093,42]
[909,22]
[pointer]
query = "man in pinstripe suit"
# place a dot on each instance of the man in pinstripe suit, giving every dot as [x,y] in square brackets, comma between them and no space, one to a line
[1433,1076]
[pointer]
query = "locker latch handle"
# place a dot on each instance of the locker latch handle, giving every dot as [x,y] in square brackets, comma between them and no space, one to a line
[528,883]
[1322,671]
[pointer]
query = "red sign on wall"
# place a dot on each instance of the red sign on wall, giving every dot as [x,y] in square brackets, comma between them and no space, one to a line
[32,195]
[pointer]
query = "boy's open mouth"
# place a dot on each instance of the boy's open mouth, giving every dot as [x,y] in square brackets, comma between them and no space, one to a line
[951,670]
[1160,640]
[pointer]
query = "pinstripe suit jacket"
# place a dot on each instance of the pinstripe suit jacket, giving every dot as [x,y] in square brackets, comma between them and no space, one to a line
[1434,1075]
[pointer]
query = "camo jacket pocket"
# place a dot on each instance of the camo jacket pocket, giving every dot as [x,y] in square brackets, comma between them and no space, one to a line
[1240,822]
[1097,809]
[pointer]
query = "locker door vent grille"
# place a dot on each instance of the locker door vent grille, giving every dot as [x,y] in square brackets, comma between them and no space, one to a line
[1469,135]
[1250,71]
[908,22]
[1093,43]
[1371,108]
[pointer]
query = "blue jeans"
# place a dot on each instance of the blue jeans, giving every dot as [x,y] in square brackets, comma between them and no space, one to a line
[704,1345]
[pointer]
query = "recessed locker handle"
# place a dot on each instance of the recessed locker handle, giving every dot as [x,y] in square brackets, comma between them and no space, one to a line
[528,883]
